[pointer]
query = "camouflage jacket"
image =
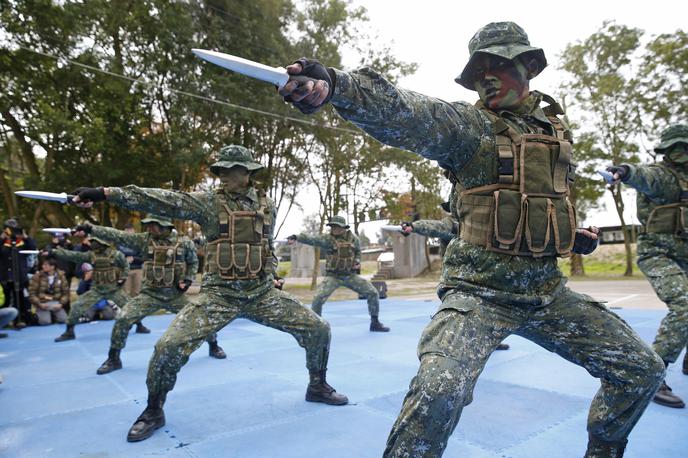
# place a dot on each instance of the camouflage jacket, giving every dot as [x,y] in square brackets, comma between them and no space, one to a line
[460,137]
[655,186]
[118,260]
[40,289]
[200,207]
[327,242]
[445,229]
[139,242]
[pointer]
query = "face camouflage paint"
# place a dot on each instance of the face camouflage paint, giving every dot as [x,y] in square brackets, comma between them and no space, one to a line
[501,83]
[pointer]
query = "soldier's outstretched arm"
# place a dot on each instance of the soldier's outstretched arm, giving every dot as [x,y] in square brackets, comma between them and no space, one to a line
[194,206]
[319,240]
[655,181]
[135,241]
[442,229]
[448,133]
[76,257]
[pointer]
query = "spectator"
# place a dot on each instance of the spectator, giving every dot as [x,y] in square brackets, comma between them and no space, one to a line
[49,293]
[82,247]
[7,314]
[86,278]
[60,241]
[14,269]
[133,284]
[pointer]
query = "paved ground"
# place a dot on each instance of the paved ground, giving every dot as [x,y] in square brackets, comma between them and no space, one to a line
[528,402]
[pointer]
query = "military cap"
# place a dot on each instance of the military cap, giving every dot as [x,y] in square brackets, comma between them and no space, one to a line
[677,133]
[233,155]
[338,221]
[99,240]
[503,39]
[162,221]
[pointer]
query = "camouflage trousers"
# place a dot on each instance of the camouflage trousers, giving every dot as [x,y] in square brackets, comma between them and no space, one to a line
[353,282]
[210,311]
[669,278]
[91,297]
[147,302]
[456,344]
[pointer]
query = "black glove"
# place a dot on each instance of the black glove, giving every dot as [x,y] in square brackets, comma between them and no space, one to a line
[83,227]
[621,170]
[86,195]
[121,283]
[187,285]
[584,244]
[292,237]
[404,225]
[312,70]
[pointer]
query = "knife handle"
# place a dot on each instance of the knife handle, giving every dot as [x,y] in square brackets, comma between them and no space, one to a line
[302,79]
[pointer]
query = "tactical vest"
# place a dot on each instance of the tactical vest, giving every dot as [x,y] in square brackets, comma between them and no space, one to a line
[340,259]
[527,212]
[242,251]
[164,265]
[104,270]
[670,218]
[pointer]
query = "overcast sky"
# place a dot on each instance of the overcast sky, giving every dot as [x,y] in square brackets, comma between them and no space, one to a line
[435,34]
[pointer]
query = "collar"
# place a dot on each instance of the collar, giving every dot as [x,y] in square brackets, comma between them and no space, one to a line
[249,193]
[528,108]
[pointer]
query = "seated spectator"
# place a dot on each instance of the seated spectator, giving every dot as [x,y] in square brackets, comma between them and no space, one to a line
[7,314]
[49,293]
[86,278]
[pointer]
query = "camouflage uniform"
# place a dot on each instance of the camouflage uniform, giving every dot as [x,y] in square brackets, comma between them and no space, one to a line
[663,242]
[152,297]
[233,285]
[487,294]
[104,286]
[344,275]
[444,229]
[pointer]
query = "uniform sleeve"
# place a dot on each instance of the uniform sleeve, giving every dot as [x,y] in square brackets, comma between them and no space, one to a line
[34,287]
[654,181]
[192,206]
[191,259]
[442,229]
[135,241]
[320,240]
[121,262]
[449,133]
[64,293]
[77,257]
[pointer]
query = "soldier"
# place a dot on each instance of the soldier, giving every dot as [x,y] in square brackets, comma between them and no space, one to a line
[169,267]
[662,200]
[510,161]
[15,267]
[110,270]
[343,263]
[445,230]
[238,221]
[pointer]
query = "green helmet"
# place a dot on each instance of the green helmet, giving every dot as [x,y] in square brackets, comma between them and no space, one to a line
[502,39]
[233,155]
[677,133]
[338,221]
[162,221]
[99,240]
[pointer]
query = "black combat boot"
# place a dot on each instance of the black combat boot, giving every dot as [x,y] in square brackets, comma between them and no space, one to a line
[601,449]
[666,398]
[112,363]
[141,329]
[502,346]
[685,363]
[150,419]
[216,351]
[376,326]
[320,391]
[67,335]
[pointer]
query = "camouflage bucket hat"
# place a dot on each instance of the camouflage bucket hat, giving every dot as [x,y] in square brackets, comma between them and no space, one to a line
[99,240]
[163,222]
[338,221]
[503,39]
[233,155]
[678,133]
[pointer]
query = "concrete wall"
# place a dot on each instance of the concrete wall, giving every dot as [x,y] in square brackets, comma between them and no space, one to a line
[409,255]
[302,261]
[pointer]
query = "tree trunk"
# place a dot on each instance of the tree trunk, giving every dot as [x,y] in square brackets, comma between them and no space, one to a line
[427,255]
[577,268]
[316,268]
[7,194]
[619,205]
